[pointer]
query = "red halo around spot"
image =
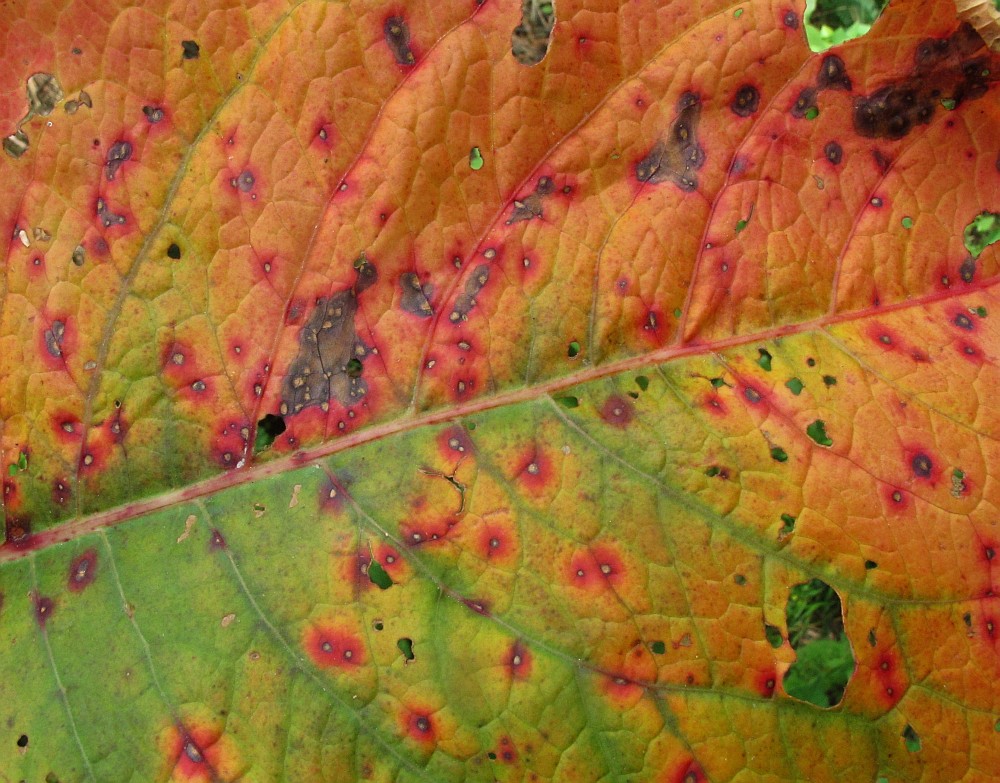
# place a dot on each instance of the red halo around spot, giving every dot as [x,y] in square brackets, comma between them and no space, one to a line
[195,753]
[496,543]
[534,470]
[332,646]
[420,725]
[82,571]
[618,411]
[765,683]
[518,661]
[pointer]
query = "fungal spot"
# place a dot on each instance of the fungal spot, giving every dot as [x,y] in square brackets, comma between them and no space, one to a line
[677,159]
[876,202]
[397,36]
[198,386]
[268,428]
[332,647]
[962,321]
[44,607]
[217,541]
[54,337]
[967,271]
[107,217]
[82,570]
[79,255]
[911,739]
[617,411]
[405,646]
[327,345]
[16,144]
[530,206]
[921,465]
[190,50]
[817,431]
[467,299]
[153,114]
[834,152]
[791,20]
[833,74]
[415,299]
[982,232]
[942,69]
[746,101]
[824,661]
[244,182]
[119,152]
[805,103]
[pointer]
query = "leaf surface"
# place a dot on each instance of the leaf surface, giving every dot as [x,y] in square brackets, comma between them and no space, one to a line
[378,407]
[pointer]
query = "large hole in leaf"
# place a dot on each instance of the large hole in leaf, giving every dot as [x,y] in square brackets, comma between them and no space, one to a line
[824,661]
[831,22]
[529,43]
[268,428]
[982,232]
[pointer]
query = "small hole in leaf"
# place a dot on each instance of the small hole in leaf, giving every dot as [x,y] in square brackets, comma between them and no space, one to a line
[817,431]
[268,428]
[778,454]
[788,524]
[642,382]
[870,564]
[573,350]
[22,741]
[773,635]
[354,367]
[492,756]
[658,647]
[872,639]
[405,646]
[568,401]
[378,576]
[378,625]
[764,359]
[174,251]
[824,661]
[795,386]
[829,380]
[911,739]
[717,382]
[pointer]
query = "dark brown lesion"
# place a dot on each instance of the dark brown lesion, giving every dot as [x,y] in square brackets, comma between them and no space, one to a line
[805,102]
[329,366]
[833,74]
[467,299]
[397,36]
[118,153]
[531,206]
[415,298]
[678,158]
[945,71]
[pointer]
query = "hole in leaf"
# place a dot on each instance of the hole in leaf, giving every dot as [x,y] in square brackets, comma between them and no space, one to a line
[817,431]
[568,401]
[379,577]
[788,524]
[829,380]
[778,454]
[717,382]
[22,741]
[824,661]
[795,386]
[268,428]
[712,471]
[658,647]
[405,646]
[870,564]
[832,22]
[354,367]
[982,232]
[773,635]
[764,359]
[642,382]
[911,739]
[529,42]
[573,350]
[174,251]
[378,625]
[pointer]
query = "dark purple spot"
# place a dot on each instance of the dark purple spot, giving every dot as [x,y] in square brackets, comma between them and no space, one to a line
[746,101]
[833,74]
[791,20]
[217,542]
[154,114]
[805,102]
[962,321]
[922,465]
[82,570]
[397,36]
[119,152]
[834,152]
[44,607]
[244,182]
[54,336]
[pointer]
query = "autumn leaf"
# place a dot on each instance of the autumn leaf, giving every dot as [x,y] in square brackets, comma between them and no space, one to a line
[378,405]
